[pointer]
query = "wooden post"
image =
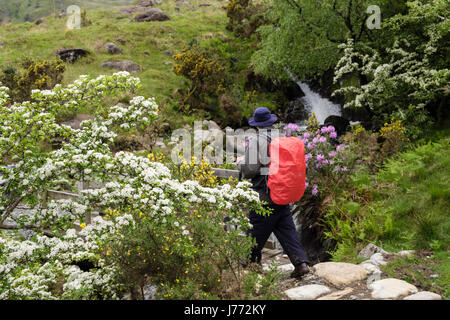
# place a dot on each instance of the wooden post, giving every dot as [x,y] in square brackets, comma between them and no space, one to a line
[80,187]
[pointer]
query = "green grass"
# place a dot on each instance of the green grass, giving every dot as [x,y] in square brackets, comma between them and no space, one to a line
[404,206]
[425,270]
[17,11]
[145,45]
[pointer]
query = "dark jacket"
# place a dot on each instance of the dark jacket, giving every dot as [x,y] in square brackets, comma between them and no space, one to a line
[255,165]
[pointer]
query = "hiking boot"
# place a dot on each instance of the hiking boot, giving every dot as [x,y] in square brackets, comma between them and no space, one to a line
[300,270]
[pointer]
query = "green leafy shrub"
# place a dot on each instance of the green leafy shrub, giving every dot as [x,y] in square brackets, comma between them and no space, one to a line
[244,16]
[403,206]
[206,72]
[33,74]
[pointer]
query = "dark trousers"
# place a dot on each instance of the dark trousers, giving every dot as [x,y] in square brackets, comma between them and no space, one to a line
[279,222]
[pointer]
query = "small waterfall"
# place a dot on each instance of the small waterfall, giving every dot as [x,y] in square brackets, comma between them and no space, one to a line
[314,102]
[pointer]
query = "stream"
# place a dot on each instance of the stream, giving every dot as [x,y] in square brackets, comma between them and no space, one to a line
[314,102]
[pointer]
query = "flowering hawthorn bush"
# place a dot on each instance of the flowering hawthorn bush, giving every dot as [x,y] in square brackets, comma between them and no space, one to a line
[47,265]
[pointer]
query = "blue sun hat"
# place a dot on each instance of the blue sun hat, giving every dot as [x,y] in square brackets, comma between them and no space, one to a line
[262,118]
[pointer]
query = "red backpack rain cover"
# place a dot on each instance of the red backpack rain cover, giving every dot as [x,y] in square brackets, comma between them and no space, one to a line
[287,170]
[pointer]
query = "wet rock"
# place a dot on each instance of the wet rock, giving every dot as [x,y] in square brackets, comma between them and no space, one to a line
[424,295]
[369,250]
[391,288]
[307,292]
[292,90]
[340,273]
[112,48]
[153,14]
[339,123]
[124,65]
[295,112]
[71,55]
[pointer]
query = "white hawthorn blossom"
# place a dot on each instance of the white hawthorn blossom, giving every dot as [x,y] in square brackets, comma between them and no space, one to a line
[45,266]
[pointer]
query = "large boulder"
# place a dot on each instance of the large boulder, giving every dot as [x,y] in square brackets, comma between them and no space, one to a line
[71,55]
[112,48]
[153,14]
[123,65]
[295,112]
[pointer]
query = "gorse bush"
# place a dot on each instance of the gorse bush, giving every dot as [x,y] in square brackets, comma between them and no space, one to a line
[244,16]
[369,149]
[33,74]
[155,227]
[205,71]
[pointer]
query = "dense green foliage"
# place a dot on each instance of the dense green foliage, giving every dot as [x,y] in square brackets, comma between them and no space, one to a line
[403,206]
[400,69]
[33,75]
[303,36]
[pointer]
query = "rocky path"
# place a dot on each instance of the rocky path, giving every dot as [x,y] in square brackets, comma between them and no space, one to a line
[346,281]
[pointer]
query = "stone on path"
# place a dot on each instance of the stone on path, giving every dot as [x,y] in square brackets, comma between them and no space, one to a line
[424,295]
[391,288]
[308,292]
[369,250]
[378,259]
[369,267]
[337,294]
[286,267]
[340,273]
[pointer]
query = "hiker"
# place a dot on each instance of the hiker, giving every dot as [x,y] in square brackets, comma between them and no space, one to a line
[280,221]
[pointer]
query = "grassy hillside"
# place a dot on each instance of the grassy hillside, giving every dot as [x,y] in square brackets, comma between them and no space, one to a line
[145,44]
[29,10]
[403,206]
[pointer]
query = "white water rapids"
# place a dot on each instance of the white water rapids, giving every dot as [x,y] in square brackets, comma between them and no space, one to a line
[314,102]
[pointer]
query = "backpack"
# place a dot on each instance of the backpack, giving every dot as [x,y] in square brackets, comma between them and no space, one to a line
[287,170]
